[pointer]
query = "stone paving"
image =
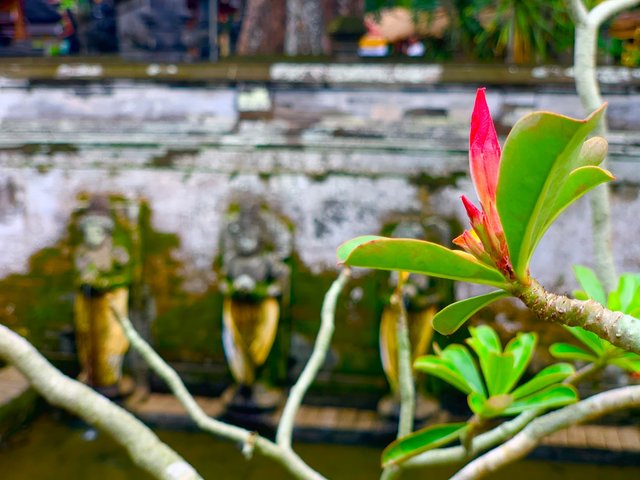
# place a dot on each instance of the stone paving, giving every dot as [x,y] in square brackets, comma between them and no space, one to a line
[336,421]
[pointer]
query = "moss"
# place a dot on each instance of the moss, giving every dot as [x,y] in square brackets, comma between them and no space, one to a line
[423,179]
[167,159]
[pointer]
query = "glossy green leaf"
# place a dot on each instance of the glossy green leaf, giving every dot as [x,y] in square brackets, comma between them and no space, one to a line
[548,376]
[613,301]
[590,339]
[589,282]
[628,364]
[444,370]
[417,256]
[484,341]
[485,336]
[627,286]
[420,441]
[551,397]
[540,152]
[578,183]
[499,373]
[464,363]
[476,403]
[453,316]
[580,295]
[522,348]
[566,351]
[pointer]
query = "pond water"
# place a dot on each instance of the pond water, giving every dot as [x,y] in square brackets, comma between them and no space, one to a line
[52,450]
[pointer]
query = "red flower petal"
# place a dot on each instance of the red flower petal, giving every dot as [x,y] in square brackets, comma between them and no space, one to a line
[484,152]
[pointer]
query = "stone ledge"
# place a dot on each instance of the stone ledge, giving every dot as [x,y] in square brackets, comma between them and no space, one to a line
[362,73]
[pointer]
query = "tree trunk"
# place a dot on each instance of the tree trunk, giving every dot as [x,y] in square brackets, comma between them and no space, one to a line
[305,28]
[262,32]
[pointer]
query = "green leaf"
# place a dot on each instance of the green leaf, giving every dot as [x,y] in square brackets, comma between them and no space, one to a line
[627,286]
[486,336]
[484,341]
[551,397]
[566,351]
[444,370]
[453,316]
[522,348]
[589,282]
[613,302]
[590,339]
[579,182]
[417,256]
[499,374]
[630,365]
[580,295]
[420,441]
[476,403]
[538,156]
[548,376]
[464,363]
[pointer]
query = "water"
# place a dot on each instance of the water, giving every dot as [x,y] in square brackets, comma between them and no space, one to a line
[53,450]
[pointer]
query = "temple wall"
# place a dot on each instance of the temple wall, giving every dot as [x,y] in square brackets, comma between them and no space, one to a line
[335,160]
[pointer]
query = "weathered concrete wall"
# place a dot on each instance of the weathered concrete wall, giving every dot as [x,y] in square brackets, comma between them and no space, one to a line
[337,162]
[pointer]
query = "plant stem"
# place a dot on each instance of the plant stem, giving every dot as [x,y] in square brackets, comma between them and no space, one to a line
[143,446]
[618,328]
[584,373]
[525,441]
[405,372]
[249,440]
[318,356]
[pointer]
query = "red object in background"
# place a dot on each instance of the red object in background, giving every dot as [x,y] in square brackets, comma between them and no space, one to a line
[12,20]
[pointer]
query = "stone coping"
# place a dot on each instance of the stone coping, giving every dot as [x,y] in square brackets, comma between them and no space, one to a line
[362,73]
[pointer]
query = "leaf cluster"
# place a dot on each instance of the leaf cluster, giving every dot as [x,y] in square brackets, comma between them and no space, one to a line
[490,380]
[546,165]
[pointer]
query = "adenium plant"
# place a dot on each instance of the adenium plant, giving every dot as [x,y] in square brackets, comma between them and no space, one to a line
[546,164]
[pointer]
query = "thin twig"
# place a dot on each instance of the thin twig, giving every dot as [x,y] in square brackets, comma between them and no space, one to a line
[311,369]
[525,441]
[144,447]
[249,440]
[405,372]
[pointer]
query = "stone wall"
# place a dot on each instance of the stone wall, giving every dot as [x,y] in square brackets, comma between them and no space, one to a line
[337,161]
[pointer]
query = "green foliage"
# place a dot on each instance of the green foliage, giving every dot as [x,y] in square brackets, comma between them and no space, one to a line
[417,256]
[490,388]
[415,5]
[540,154]
[545,166]
[420,441]
[523,30]
[626,299]
[453,316]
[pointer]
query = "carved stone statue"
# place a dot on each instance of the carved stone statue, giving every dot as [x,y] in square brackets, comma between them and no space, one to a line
[102,278]
[421,297]
[255,245]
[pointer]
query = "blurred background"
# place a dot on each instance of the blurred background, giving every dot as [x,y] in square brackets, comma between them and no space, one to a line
[194,30]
